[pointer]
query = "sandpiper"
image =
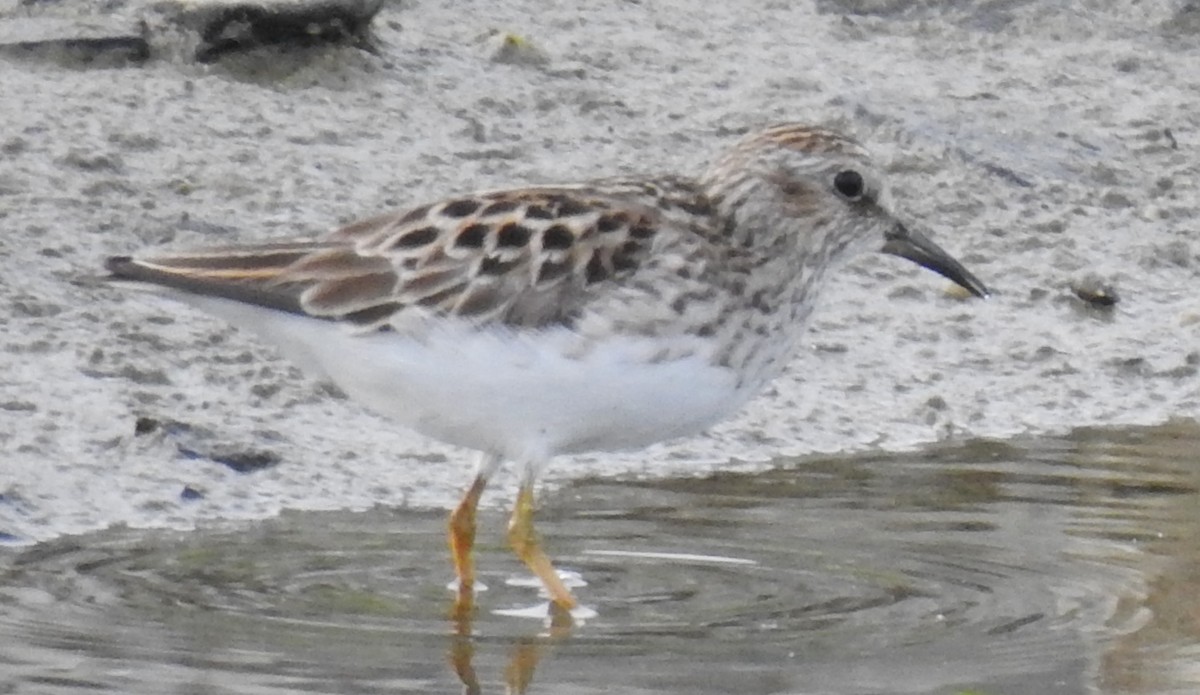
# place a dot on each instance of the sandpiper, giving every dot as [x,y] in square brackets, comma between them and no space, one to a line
[547,320]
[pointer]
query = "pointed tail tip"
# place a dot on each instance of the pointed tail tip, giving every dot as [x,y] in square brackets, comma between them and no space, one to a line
[118,265]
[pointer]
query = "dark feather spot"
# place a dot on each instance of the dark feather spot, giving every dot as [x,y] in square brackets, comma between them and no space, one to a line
[625,258]
[472,236]
[685,273]
[679,305]
[699,207]
[460,208]
[437,299]
[642,231]
[427,282]
[370,315]
[552,271]
[413,215]
[494,266]
[477,300]
[759,301]
[595,269]
[417,238]
[557,237]
[706,330]
[538,212]
[513,235]
[499,207]
[610,223]
[567,206]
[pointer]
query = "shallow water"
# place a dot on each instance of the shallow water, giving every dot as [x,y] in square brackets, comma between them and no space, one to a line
[1060,565]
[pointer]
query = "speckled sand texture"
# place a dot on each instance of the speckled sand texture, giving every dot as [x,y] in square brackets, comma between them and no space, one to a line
[1041,142]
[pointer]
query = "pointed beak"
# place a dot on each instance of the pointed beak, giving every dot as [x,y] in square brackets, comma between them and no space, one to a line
[916,247]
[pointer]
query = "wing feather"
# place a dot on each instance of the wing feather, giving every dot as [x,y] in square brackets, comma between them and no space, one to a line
[526,257]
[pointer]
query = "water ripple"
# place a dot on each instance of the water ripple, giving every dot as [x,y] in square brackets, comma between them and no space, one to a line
[996,566]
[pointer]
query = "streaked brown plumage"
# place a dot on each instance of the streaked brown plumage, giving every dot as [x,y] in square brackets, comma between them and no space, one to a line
[538,321]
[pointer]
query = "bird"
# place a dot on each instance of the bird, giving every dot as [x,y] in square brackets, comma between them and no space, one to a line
[540,321]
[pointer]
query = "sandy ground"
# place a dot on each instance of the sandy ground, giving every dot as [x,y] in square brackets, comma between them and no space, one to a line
[1041,142]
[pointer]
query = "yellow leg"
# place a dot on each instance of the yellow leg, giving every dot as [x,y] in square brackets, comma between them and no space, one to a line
[525,543]
[462,543]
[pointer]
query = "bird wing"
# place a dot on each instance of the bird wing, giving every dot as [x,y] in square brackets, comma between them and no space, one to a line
[527,257]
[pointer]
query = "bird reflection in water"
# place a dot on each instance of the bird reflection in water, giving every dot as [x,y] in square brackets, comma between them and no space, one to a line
[523,661]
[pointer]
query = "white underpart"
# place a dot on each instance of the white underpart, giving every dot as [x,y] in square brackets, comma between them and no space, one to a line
[513,393]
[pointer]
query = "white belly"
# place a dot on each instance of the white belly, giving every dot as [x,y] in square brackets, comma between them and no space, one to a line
[513,393]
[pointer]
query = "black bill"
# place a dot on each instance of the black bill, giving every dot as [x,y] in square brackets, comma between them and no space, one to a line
[916,247]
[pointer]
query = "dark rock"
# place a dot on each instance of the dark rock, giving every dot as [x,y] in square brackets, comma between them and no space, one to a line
[236,27]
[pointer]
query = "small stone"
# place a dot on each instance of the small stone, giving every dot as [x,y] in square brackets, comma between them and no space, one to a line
[1095,291]
[516,50]
[246,461]
[144,425]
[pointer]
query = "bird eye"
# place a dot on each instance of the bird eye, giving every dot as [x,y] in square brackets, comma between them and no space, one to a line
[849,184]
